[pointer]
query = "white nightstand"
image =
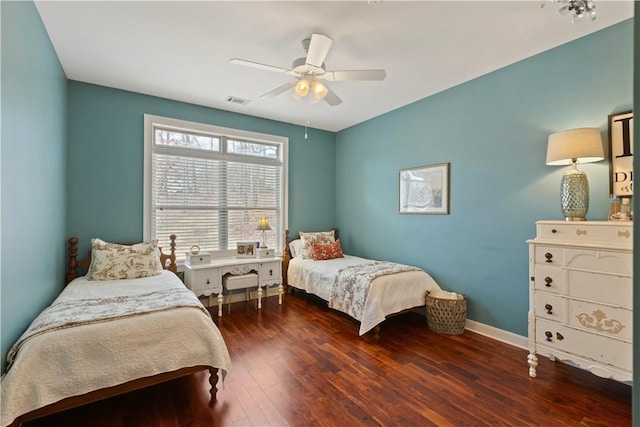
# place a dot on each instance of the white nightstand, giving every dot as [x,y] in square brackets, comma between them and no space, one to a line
[206,279]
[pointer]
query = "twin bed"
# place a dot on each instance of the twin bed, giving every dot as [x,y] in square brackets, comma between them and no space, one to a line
[115,328]
[367,290]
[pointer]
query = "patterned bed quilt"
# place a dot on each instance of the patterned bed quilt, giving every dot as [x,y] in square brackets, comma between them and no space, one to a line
[365,289]
[99,334]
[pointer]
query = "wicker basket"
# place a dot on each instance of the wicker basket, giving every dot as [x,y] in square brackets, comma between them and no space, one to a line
[446,316]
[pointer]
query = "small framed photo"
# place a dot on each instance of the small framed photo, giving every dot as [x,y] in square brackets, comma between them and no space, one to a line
[621,154]
[424,190]
[246,250]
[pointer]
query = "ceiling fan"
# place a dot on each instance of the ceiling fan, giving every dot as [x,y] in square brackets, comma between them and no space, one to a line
[310,70]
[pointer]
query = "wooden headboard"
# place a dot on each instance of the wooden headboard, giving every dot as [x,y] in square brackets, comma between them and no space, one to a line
[286,252]
[79,267]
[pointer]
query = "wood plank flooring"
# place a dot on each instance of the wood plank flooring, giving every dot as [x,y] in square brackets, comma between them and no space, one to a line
[301,364]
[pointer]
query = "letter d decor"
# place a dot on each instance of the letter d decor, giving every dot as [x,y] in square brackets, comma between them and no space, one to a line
[621,153]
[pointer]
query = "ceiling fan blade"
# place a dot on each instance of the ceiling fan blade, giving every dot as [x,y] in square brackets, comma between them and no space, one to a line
[277,91]
[331,98]
[335,76]
[258,65]
[318,49]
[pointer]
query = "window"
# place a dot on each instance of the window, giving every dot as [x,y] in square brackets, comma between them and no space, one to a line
[210,185]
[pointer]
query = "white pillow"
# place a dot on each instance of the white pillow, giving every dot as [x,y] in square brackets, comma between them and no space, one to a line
[295,247]
[111,261]
[318,237]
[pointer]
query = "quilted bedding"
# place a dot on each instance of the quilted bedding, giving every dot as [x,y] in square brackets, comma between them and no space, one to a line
[390,288]
[139,328]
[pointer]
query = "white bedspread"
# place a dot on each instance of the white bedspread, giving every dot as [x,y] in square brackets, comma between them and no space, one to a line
[388,294]
[73,361]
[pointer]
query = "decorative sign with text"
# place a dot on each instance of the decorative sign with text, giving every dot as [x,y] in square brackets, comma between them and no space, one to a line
[621,153]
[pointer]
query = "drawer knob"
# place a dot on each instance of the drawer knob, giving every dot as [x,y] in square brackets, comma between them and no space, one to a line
[549,335]
[549,308]
[547,281]
[554,231]
[270,272]
[559,336]
[208,282]
[548,256]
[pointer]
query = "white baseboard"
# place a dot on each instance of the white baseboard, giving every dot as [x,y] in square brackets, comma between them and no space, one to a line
[489,331]
[498,334]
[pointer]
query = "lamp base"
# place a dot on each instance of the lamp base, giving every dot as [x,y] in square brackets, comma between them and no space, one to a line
[574,195]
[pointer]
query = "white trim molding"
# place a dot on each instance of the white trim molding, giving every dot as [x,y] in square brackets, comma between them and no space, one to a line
[497,334]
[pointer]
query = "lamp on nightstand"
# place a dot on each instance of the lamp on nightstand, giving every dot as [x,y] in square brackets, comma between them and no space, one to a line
[569,147]
[263,225]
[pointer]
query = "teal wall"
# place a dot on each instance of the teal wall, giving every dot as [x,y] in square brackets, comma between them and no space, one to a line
[33,171]
[493,131]
[105,159]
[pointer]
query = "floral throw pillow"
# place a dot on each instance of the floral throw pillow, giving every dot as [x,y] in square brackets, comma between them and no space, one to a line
[309,239]
[324,251]
[111,261]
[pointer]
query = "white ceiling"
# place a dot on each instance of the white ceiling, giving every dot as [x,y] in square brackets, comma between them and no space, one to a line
[181,50]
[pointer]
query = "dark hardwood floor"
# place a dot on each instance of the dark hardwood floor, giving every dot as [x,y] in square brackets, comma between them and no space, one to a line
[302,364]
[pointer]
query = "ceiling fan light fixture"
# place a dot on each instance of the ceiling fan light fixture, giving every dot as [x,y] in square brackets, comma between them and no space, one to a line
[302,87]
[310,69]
[318,90]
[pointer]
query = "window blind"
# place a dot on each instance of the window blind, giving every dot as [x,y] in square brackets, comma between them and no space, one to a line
[211,190]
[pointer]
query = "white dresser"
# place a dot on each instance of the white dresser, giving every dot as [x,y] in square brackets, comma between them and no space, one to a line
[206,279]
[580,296]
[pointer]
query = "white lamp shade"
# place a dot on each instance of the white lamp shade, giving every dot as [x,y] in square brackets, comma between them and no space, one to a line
[583,144]
[263,224]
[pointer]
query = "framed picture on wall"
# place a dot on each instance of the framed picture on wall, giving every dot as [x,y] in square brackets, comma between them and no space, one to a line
[424,190]
[246,250]
[621,154]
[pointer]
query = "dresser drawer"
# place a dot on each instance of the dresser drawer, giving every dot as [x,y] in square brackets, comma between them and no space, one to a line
[598,348]
[270,272]
[549,256]
[593,232]
[551,307]
[605,288]
[599,261]
[204,281]
[549,279]
[613,321]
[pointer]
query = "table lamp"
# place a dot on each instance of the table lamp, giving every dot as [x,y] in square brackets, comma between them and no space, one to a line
[263,225]
[583,145]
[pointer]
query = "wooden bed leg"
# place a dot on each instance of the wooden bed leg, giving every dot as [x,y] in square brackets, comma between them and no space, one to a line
[280,293]
[376,332]
[213,380]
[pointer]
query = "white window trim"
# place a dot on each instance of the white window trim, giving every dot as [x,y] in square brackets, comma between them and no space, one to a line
[150,121]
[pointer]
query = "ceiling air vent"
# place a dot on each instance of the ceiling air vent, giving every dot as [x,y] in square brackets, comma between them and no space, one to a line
[236,100]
